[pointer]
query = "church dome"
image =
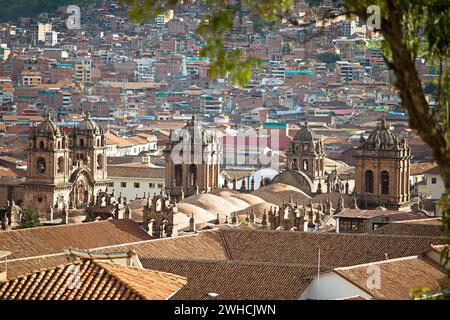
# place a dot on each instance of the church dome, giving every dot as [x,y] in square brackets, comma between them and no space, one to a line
[195,131]
[48,128]
[382,138]
[306,134]
[89,125]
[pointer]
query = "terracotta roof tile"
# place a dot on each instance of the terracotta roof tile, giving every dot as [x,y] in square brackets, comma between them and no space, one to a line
[92,280]
[410,229]
[49,240]
[398,277]
[138,170]
[235,280]
[337,250]
[255,246]
[204,245]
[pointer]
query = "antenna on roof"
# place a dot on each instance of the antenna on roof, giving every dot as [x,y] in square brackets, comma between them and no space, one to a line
[318,275]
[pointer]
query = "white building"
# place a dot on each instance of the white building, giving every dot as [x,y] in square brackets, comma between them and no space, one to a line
[136,180]
[43,28]
[51,38]
[348,28]
[390,279]
[145,68]
[434,184]
[162,19]
[129,146]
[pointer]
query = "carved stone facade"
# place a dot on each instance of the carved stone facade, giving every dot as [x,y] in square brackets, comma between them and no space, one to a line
[65,170]
[382,169]
[294,217]
[158,215]
[305,153]
[192,161]
[305,162]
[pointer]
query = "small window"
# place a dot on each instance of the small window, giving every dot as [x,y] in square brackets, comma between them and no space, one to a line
[137,185]
[160,185]
[305,165]
[41,166]
[151,185]
[123,184]
[433,180]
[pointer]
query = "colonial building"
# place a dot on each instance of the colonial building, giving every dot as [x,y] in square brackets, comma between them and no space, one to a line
[382,169]
[192,161]
[305,162]
[65,170]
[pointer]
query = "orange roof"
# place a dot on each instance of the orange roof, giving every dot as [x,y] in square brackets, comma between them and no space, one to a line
[6,172]
[112,139]
[398,276]
[92,280]
[7,86]
[23,117]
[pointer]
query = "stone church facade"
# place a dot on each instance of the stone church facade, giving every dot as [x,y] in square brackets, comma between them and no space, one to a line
[192,161]
[65,170]
[382,168]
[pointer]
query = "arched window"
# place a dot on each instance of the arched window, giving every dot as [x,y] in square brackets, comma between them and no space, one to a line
[368,178]
[61,165]
[59,144]
[178,175]
[41,165]
[100,161]
[192,174]
[41,145]
[384,182]
[294,164]
[305,165]
[81,142]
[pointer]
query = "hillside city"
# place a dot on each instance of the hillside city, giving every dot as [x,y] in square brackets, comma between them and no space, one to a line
[125,165]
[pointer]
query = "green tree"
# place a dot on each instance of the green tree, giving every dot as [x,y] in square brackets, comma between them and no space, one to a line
[29,219]
[11,10]
[430,87]
[328,57]
[411,29]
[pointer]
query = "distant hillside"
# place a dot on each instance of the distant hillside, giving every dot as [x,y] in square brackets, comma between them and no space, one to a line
[11,10]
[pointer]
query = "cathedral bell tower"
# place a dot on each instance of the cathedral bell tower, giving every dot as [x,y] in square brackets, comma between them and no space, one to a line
[305,153]
[88,145]
[382,169]
[192,161]
[47,165]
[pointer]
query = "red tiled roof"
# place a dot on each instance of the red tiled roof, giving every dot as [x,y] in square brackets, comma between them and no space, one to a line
[6,172]
[398,277]
[420,168]
[410,229]
[389,215]
[92,280]
[235,280]
[280,247]
[50,240]
[337,250]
